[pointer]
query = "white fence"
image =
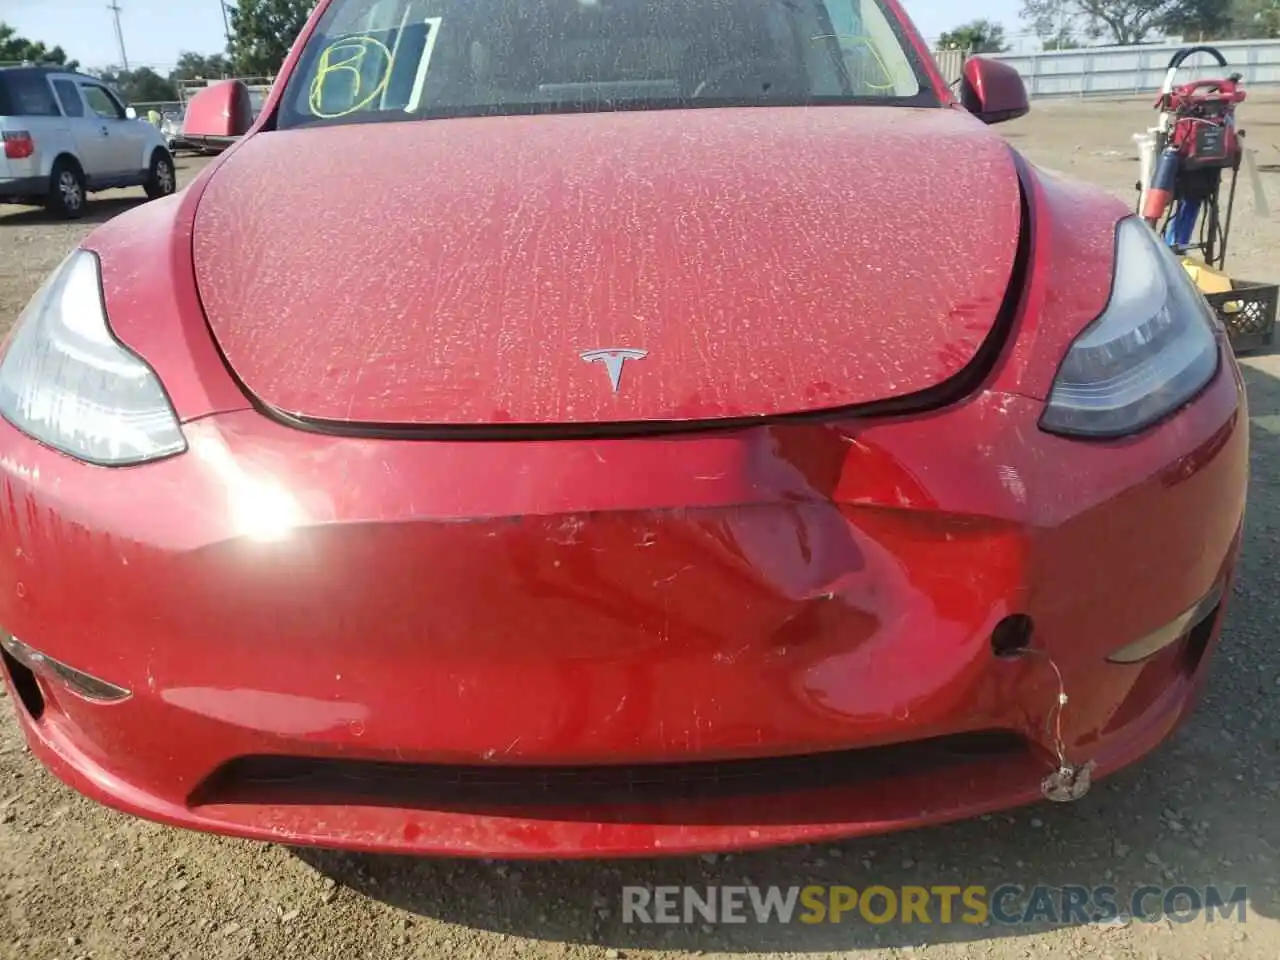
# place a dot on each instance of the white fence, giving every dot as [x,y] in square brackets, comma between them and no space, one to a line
[1122,71]
[950,63]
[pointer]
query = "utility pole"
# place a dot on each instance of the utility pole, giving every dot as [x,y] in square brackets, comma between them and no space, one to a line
[226,24]
[114,7]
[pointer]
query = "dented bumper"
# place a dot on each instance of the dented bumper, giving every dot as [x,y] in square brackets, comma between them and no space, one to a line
[612,647]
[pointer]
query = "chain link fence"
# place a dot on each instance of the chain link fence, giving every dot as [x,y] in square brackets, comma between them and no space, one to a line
[166,108]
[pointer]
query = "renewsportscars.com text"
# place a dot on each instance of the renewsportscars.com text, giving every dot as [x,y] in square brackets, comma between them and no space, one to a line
[1005,904]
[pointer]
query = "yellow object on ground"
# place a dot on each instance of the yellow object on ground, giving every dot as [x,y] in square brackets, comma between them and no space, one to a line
[1205,277]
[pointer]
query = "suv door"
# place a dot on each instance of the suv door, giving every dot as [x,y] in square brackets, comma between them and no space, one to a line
[122,151]
[142,136]
[91,140]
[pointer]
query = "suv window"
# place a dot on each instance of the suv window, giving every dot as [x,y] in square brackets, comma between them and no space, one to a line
[405,59]
[69,97]
[26,95]
[102,102]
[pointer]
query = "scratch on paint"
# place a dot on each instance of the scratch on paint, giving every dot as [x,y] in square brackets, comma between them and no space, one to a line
[684,569]
[1012,482]
[730,658]
[567,533]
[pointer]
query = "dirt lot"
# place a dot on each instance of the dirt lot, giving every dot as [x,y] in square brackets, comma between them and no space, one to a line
[80,881]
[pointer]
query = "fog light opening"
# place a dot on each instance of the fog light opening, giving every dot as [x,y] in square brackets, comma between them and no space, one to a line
[1012,636]
[1204,610]
[1198,639]
[25,684]
[82,684]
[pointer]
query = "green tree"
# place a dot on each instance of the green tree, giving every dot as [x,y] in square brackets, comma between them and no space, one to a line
[1121,22]
[198,66]
[16,49]
[142,85]
[976,36]
[1254,19]
[262,31]
[1201,20]
[1062,39]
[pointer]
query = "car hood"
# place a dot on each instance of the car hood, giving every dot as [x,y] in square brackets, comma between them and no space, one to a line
[454,272]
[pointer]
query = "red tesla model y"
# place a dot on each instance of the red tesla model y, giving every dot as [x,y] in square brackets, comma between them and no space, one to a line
[594,427]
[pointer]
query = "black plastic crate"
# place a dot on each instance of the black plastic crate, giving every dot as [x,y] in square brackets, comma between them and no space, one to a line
[1248,311]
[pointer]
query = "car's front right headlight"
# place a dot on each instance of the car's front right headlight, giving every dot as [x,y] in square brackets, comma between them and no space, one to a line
[1153,348]
[66,381]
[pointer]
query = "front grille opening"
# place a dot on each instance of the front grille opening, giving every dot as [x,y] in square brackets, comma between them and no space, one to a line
[25,683]
[280,780]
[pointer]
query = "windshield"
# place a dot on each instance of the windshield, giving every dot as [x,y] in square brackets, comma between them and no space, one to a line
[393,59]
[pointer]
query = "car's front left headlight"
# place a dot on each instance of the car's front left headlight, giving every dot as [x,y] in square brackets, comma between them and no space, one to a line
[1153,348]
[66,381]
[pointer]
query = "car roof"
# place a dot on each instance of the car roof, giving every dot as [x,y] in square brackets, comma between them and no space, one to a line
[42,70]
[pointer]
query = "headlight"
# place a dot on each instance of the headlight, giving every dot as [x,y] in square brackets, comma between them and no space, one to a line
[67,382]
[1152,350]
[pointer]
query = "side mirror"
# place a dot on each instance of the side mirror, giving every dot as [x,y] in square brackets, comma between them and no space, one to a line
[220,110]
[992,90]
[130,113]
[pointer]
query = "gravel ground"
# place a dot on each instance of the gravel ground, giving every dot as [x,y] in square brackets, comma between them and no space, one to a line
[79,881]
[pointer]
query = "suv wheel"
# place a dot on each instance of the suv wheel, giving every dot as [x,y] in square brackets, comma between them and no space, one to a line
[163,179]
[66,190]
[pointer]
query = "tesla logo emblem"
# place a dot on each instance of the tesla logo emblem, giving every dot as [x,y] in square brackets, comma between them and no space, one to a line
[613,361]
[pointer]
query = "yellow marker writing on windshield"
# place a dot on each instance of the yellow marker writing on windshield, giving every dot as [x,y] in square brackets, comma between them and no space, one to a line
[345,60]
[870,46]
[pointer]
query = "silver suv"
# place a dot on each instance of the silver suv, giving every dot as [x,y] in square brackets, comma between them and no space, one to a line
[65,135]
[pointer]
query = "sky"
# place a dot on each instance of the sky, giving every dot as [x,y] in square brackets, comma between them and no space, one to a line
[157,31]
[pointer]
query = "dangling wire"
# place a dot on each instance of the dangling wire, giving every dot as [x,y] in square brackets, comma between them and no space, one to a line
[1069,781]
[1053,720]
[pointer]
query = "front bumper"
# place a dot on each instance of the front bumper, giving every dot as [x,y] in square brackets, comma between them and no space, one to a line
[502,649]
